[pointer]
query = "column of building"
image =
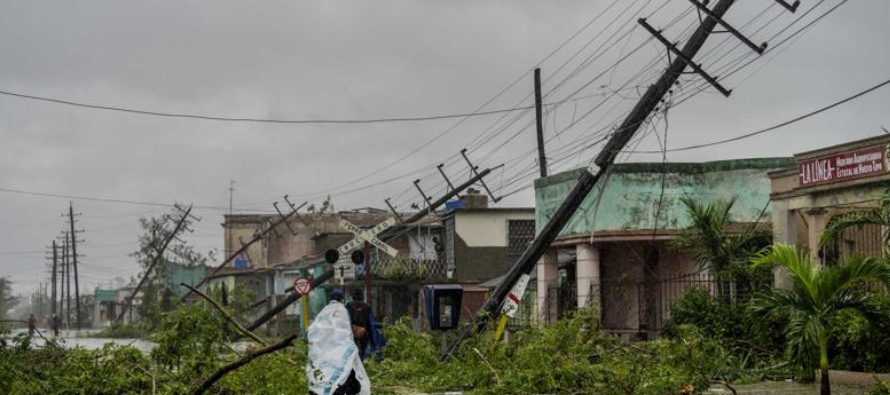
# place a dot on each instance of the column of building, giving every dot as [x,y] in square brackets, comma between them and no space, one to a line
[547,284]
[588,276]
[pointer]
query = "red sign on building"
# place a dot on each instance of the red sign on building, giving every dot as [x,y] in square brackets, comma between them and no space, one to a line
[844,166]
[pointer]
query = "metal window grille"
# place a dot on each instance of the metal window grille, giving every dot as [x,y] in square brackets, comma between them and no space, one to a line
[519,234]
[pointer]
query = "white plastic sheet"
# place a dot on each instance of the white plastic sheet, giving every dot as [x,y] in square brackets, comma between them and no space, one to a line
[332,352]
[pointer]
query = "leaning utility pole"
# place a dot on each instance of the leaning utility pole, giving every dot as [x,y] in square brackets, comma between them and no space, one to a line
[539,118]
[158,257]
[283,218]
[604,161]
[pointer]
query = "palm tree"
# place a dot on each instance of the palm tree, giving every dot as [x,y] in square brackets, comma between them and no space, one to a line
[712,242]
[818,293]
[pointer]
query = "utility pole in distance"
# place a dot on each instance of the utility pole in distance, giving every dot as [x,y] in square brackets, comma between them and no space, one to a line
[74,263]
[542,159]
[635,119]
[66,262]
[55,277]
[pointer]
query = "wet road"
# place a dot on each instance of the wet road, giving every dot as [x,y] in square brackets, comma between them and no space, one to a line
[74,339]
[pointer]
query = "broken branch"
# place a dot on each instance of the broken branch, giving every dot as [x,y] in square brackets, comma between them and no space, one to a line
[241,362]
[226,314]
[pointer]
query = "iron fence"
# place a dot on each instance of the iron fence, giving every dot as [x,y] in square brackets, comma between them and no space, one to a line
[644,307]
[407,269]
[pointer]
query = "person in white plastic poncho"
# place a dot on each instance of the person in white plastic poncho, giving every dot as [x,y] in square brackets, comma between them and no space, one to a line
[334,366]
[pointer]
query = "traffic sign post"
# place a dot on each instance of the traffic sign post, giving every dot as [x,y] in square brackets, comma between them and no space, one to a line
[511,304]
[303,286]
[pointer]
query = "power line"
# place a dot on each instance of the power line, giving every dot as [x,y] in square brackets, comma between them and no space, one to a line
[256,120]
[109,200]
[34,252]
[771,128]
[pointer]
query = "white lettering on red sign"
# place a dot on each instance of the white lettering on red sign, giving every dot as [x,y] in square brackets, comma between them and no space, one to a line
[845,166]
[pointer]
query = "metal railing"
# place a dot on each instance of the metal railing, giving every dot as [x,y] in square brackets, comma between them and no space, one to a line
[399,268]
[636,306]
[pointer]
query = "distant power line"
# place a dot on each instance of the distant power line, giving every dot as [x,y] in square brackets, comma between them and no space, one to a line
[109,200]
[22,252]
[256,120]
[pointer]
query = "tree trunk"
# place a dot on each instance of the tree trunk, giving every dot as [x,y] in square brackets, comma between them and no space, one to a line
[824,385]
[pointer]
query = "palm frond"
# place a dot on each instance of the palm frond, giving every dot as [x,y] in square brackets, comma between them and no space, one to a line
[801,270]
[838,223]
[706,239]
[804,331]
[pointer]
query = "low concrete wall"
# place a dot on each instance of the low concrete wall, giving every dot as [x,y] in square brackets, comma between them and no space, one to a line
[854,379]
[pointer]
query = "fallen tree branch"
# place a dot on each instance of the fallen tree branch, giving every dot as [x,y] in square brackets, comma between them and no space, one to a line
[241,362]
[226,314]
[485,361]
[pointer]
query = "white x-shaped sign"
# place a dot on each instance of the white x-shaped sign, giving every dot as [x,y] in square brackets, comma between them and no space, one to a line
[369,235]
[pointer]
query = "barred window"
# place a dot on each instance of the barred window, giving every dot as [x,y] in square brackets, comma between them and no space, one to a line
[519,234]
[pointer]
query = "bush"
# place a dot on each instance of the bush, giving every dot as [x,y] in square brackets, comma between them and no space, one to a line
[880,387]
[569,356]
[859,345]
[757,343]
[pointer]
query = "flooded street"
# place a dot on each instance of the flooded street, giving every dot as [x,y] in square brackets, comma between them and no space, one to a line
[74,338]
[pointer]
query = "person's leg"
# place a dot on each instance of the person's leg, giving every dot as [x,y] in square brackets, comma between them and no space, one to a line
[350,387]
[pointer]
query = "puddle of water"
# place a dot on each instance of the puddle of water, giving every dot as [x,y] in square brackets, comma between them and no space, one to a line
[75,339]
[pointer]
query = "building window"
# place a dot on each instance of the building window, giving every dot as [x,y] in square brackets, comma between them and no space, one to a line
[423,246]
[520,233]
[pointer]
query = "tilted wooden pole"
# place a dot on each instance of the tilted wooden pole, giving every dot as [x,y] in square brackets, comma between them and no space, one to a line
[158,257]
[587,180]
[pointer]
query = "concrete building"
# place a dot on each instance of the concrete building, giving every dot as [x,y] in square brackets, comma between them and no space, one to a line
[622,264]
[271,265]
[826,183]
[482,243]
[109,302]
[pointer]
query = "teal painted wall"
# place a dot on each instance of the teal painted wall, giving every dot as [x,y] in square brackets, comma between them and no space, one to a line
[630,199]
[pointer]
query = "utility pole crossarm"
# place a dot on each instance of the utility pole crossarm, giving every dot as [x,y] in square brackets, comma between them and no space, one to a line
[789,7]
[729,28]
[688,59]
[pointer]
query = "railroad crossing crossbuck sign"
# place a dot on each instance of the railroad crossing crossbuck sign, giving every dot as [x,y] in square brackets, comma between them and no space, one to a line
[369,235]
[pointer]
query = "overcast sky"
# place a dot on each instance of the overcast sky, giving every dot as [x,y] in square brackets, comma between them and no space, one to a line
[354,60]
